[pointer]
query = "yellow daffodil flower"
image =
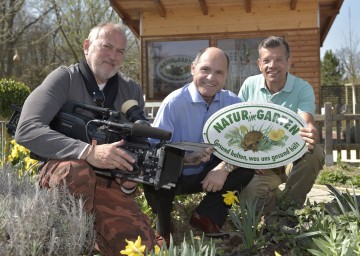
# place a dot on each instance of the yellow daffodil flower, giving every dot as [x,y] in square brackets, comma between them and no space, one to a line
[134,249]
[157,251]
[230,198]
[277,254]
[29,162]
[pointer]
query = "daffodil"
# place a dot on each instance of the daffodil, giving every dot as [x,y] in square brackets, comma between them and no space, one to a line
[230,198]
[276,135]
[29,162]
[134,248]
[158,250]
[277,254]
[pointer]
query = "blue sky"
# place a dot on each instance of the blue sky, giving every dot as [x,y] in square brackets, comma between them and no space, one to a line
[339,32]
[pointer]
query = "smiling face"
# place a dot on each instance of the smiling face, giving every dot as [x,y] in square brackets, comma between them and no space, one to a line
[105,53]
[274,64]
[209,72]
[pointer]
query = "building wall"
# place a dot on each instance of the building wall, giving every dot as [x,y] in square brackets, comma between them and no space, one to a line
[225,18]
[300,28]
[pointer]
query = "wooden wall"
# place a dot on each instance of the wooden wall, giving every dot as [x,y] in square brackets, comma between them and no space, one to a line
[230,18]
[304,45]
[300,27]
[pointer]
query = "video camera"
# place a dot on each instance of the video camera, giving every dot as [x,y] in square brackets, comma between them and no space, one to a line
[158,164]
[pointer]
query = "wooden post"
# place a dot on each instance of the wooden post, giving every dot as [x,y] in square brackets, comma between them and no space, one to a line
[357,130]
[329,158]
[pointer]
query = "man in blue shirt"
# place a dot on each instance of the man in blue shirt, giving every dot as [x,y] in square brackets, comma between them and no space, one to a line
[278,86]
[184,113]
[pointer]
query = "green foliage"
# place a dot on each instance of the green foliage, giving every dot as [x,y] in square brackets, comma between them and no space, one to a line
[341,235]
[193,246]
[41,222]
[342,174]
[246,219]
[330,177]
[11,92]
[332,70]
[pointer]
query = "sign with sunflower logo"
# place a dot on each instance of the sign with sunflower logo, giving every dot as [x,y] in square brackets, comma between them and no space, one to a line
[258,136]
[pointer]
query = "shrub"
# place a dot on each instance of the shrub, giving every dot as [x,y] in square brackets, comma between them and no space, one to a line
[11,92]
[41,222]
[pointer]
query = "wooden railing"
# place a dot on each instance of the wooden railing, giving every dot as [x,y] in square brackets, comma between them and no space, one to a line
[338,131]
[151,109]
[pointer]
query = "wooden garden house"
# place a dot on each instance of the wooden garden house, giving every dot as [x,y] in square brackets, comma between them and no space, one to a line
[171,32]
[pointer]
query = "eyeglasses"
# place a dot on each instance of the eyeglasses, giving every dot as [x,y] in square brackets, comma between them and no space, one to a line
[99,98]
[277,60]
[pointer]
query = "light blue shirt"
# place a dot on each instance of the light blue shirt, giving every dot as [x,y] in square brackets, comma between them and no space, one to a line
[297,94]
[184,113]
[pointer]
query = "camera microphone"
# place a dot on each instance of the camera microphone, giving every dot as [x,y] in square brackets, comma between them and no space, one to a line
[139,130]
[142,130]
[133,112]
[141,126]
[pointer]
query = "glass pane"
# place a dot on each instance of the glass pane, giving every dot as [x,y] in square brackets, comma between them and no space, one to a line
[169,65]
[243,55]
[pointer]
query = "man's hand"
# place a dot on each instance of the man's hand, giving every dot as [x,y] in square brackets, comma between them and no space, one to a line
[196,157]
[309,134]
[215,179]
[110,156]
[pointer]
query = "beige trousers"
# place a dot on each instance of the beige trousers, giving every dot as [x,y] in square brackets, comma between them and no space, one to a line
[299,177]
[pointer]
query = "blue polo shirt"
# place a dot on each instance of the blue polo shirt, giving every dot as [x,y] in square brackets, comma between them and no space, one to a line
[297,94]
[184,113]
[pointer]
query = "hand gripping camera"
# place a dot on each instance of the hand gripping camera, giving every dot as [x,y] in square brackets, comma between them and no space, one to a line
[157,164]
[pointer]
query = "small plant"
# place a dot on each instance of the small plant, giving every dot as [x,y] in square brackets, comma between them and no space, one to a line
[40,222]
[341,174]
[196,247]
[339,234]
[245,217]
[341,242]
[19,158]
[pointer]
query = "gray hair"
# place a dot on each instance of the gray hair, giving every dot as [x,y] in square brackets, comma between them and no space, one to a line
[273,42]
[94,32]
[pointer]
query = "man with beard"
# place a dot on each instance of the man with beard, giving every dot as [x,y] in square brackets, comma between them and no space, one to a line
[94,81]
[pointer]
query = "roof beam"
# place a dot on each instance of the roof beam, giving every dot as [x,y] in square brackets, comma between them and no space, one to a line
[329,11]
[248,5]
[134,25]
[293,4]
[203,7]
[160,8]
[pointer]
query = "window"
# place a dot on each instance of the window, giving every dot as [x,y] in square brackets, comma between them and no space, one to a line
[243,55]
[168,65]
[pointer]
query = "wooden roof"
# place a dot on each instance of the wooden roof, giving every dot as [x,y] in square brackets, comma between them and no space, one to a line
[130,10]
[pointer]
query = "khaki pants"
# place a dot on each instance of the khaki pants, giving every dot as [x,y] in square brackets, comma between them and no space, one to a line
[299,177]
[117,215]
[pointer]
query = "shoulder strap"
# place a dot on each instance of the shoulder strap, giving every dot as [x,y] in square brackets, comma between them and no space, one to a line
[110,89]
